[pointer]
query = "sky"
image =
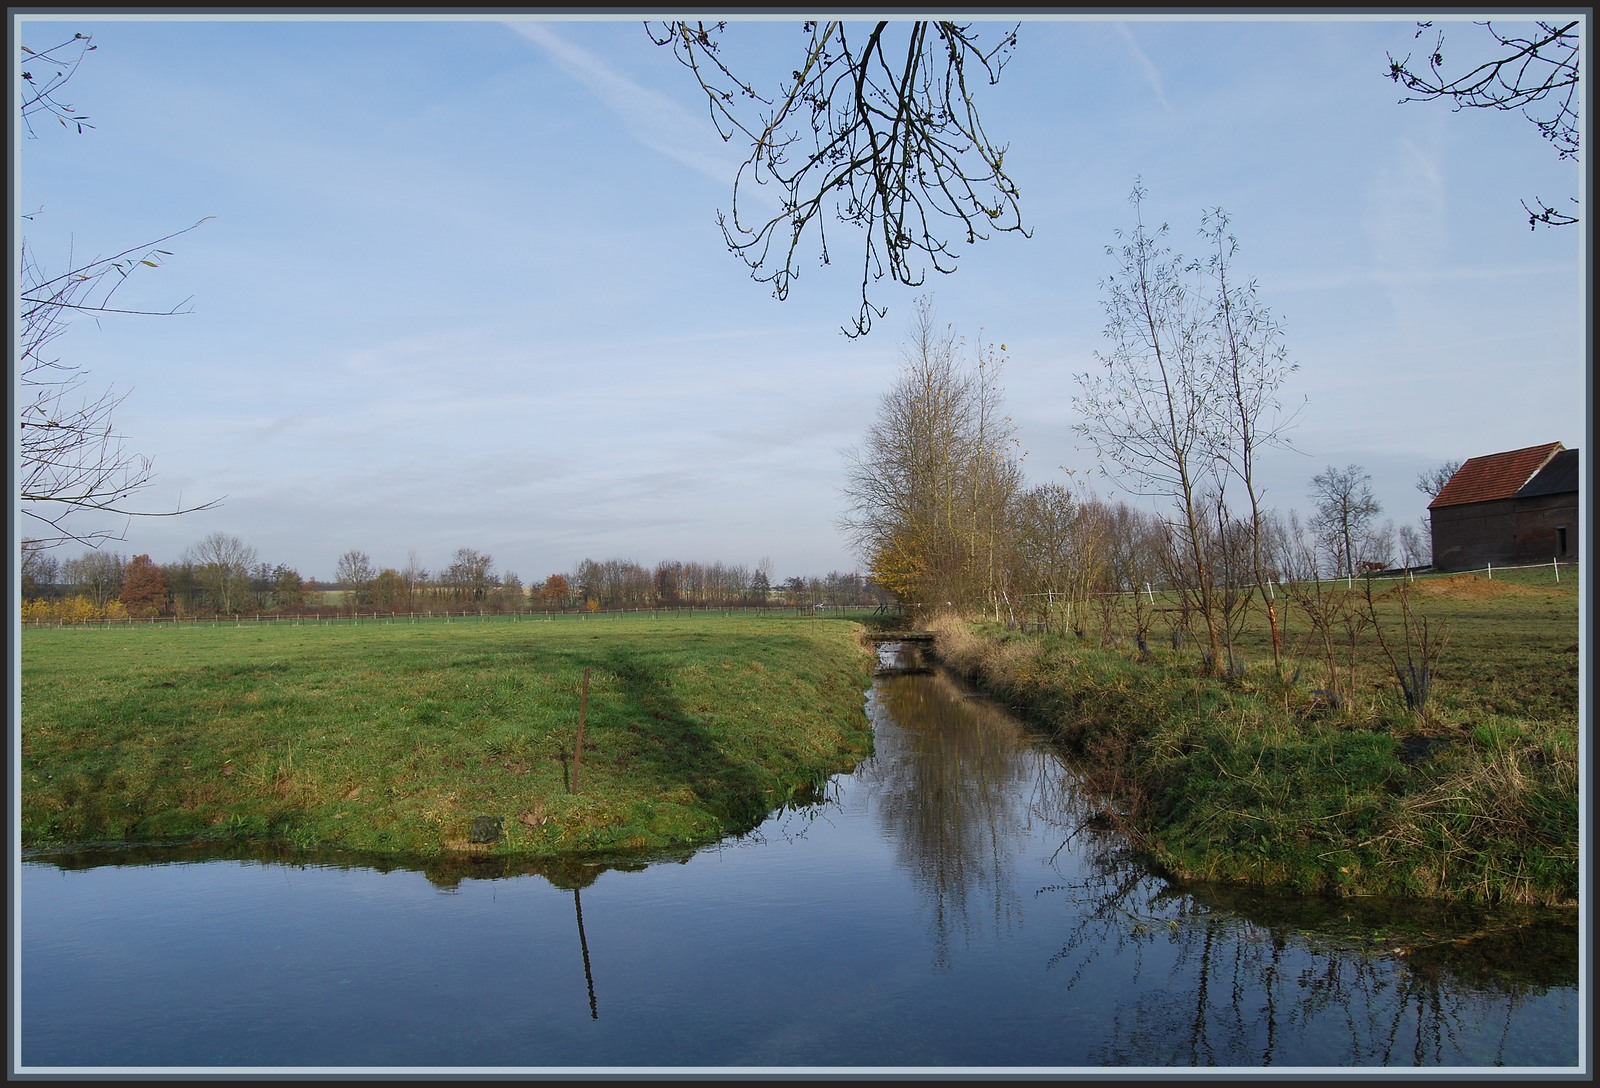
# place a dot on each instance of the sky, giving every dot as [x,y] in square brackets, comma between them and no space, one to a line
[458,280]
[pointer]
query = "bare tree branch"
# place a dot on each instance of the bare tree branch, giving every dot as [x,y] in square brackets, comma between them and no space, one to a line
[887,139]
[55,67]
[71,459]
[1536,73]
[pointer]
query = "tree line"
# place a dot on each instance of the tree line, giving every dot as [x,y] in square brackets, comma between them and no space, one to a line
[223,575]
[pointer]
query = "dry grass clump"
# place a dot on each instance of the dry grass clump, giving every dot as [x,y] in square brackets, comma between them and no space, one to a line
[1469,587]
[955,643]
[1499,810]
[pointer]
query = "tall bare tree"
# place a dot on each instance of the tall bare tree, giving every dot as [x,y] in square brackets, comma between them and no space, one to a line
[1533,71]
[1149,412]
[1187,398]
[1252,365]
[876,127]
[931,487]
[1345,512]
[355,572]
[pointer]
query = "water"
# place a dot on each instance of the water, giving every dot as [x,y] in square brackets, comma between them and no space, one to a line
[951,905]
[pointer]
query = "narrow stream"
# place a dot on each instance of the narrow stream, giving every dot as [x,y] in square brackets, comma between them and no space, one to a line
[952,904]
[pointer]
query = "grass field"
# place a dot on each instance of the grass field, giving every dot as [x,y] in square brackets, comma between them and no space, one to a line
[394,737]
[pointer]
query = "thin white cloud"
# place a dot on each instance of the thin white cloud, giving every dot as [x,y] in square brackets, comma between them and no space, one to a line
[1147,67]
[651,118]
[1406,214]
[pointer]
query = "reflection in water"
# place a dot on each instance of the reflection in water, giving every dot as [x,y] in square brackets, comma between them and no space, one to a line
[583,943]
[953,903]
[1211,984]
[947,782]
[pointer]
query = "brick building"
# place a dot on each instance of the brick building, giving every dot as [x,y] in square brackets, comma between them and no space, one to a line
[1509,508]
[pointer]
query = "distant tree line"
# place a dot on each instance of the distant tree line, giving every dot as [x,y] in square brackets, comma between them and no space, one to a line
[223,575]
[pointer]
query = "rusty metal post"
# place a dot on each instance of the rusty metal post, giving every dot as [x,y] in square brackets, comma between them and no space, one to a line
[577,749]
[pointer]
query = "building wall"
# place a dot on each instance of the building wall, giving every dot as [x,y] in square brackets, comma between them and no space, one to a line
[1507,531]
[1472,535]
[1538,536]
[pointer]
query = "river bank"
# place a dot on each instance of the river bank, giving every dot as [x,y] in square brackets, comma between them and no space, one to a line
[1255,780]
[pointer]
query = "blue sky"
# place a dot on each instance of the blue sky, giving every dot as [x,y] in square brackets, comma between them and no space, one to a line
[462,284]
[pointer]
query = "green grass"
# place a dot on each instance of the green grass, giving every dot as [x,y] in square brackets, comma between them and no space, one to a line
[391,738]
[1256,779]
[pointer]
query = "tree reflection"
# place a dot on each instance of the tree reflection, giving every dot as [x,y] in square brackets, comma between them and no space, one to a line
[1242,984]
[947,778]
[1202,975]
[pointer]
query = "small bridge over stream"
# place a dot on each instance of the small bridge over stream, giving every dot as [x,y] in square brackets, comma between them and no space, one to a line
[915,655]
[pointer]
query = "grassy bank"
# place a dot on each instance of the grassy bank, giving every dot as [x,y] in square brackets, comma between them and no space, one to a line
[394,738]
[1258,778]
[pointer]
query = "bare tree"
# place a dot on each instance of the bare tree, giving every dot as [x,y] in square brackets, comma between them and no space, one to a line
[416,578]
[1535,72]
[1345,511]
[222,563]
[510,594]
[1432,481]
[1414,547]
[71,460]
[96,575]
[355,572]
[39,570]
[470,575]
[931,488]
[1187,399]
[1252,365]
[1147,411]
[883,127]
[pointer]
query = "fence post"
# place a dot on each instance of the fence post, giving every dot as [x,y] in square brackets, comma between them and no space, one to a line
[577,748]
[1556,564]
[1490,568]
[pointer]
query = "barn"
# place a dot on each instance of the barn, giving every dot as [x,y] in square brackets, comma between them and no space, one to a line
[1510,508]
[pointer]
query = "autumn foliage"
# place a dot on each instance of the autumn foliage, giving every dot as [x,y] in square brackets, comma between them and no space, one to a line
[144,588]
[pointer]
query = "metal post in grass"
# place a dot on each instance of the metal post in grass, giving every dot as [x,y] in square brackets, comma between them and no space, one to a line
[577,748]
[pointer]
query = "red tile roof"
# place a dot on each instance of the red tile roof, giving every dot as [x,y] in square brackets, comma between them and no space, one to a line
[1494,476]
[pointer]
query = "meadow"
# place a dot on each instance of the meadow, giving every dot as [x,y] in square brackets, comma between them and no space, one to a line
[435,737]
